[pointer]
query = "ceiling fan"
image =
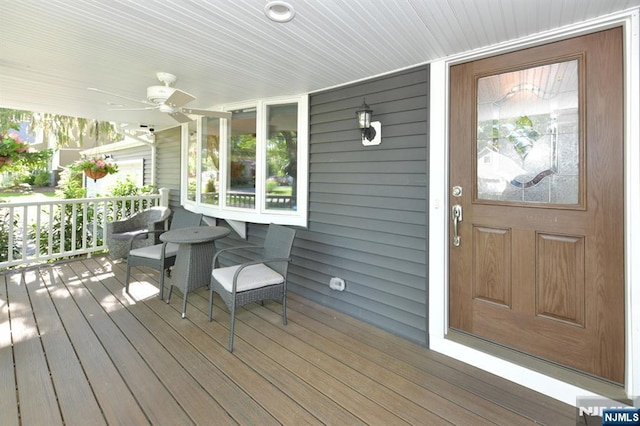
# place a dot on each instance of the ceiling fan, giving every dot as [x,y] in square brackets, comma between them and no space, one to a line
[167,99]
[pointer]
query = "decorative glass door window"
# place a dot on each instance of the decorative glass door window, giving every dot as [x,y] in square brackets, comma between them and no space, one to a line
[528,136]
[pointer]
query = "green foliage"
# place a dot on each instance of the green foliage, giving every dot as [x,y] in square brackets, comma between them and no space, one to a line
[11,146]
[70,184]
[63,229]
[210,186]
[28,162]
[62,226]
[15,154]
[41,179]
[282,190]
[271,186]
[237,176]
[66,130]
[128,188]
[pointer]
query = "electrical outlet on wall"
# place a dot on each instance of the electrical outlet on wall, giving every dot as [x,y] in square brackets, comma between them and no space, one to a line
[337,284]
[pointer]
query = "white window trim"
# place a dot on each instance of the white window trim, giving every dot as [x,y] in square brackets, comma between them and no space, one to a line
[260,214]
[439,225]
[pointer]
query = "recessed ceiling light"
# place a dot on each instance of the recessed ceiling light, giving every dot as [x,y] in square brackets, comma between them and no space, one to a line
[279,11]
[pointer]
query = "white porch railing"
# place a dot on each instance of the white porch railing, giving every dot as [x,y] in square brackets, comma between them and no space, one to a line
[38,231]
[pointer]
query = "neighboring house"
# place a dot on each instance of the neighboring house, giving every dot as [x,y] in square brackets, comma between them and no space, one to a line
[134,157]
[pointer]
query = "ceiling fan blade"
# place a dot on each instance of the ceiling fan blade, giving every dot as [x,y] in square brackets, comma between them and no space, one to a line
[179,98]
[119,96]
[207,113]
[180,117]
[133,109]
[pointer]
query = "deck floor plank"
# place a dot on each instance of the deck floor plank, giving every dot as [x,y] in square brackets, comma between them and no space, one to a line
[138,362]
[379,368]
[76,404]
[8,386]
[117,402]
[287,397]
[156,401]
[193,380]
[528,403]
[305,367]
[307,397]
[384,367]
[36,394]
[334,369]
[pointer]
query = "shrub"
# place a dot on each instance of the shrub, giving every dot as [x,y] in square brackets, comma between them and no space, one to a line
[70,184]
[271,186]
[41,179]
[128,188]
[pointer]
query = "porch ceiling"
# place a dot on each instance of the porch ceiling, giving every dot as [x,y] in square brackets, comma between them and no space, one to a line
[227,51]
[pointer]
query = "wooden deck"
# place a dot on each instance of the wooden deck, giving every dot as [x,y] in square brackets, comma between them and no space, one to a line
[76,349]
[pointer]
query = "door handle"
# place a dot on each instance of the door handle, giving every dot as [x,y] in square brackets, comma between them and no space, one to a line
[456,214]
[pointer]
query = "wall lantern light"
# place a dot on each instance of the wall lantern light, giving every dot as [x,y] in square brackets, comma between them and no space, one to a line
[371,131]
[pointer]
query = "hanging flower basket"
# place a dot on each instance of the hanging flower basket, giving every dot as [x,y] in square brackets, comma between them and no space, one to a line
[95,168]
[11,148]
[95,174]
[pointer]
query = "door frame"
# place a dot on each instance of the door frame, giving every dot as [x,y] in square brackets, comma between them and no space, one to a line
[439,209]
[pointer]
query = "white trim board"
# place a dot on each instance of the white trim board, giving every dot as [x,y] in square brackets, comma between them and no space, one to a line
[438,208]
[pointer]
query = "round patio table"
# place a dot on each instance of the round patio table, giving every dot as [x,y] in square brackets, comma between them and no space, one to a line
[196,248]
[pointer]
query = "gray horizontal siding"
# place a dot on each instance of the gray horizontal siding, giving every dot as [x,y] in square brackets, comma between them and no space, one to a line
[143,152]
[168,157]
[367,205]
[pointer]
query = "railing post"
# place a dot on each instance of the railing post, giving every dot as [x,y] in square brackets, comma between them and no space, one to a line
[164,197]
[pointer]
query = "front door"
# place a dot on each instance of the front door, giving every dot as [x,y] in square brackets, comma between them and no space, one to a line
[536,194]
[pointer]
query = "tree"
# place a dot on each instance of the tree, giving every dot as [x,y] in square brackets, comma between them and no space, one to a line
[63,129]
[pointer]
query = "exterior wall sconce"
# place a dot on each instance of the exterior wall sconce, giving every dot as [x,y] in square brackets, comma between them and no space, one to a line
[371,131]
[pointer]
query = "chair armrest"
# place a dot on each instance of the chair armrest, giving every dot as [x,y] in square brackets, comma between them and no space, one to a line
[224,250]
[258,261]
[133,236]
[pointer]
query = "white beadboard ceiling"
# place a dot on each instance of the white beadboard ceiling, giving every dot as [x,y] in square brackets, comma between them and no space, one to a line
[226,51]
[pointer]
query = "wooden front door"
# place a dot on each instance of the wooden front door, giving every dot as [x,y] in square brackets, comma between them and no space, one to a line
[536,174]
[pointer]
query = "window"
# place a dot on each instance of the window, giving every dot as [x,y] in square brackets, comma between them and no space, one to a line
[241,161]
[251,167]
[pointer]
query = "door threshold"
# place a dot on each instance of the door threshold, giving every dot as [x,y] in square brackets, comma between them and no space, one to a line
[582,380]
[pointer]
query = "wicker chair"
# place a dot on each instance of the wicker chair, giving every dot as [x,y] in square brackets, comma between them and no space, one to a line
[134,231]
[161,256]
[254,281]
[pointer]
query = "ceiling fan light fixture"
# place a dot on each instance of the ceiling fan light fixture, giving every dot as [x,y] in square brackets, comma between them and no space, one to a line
[159,94]
[279,11]
[166,109]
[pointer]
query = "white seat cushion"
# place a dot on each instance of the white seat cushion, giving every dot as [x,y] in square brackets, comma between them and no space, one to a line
[253,276]
[155,251]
